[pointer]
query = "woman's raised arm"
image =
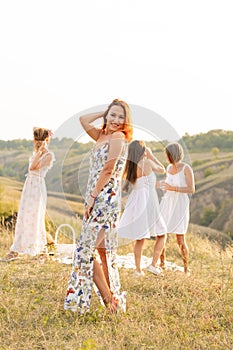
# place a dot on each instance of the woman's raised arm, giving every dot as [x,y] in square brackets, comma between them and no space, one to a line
[86,122]
[156,164]
[39,163]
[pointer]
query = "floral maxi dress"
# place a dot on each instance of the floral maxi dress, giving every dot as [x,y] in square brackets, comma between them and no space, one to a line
[30,232]
[105,214]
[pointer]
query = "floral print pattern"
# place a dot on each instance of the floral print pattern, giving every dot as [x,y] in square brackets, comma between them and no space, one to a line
[30,232]
[105,214]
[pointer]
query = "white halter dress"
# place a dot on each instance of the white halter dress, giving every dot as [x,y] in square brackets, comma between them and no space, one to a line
[175,205]
[141,217]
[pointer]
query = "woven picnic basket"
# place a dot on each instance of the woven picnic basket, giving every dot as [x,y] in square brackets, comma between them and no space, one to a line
[65,250]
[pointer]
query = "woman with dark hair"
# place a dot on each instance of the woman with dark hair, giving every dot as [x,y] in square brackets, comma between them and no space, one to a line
[141,218]
[94,255]
[30,232]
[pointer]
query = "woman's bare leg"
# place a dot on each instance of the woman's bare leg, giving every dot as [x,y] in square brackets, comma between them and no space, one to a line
[101,283]
[101,275]
[100,246]
[102,254]
[158,248]
[163,258]
[184,251]
[138,253]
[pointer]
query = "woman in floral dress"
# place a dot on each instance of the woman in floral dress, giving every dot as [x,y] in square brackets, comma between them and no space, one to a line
[30,232]
[94,255]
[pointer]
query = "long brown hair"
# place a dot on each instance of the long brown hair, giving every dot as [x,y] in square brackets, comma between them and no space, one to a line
[135,153]
[127,128]
[174,152]
[40,135]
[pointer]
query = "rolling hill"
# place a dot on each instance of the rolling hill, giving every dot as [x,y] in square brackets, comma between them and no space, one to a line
[211,205]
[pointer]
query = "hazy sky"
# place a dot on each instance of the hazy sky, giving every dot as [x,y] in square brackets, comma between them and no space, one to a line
[60,58]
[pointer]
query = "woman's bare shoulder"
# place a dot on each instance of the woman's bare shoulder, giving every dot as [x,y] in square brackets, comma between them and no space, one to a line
[149,162]
[187,167]
[118,135]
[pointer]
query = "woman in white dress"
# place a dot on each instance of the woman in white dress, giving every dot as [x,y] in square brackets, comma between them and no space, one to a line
[175,203]
[30,232]
[141,218]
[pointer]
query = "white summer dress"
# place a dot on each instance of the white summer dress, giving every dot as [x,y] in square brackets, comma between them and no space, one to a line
[175,205]
[141,217]
[30,232]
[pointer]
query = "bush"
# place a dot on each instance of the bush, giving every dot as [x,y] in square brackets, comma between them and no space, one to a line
[208,172]
[208,216]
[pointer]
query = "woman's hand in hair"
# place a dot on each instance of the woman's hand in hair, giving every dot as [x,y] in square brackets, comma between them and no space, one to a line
[43,148]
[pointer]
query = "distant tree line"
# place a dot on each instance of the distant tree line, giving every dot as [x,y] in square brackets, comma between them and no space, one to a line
[219,139]
[214,140]
[56,143]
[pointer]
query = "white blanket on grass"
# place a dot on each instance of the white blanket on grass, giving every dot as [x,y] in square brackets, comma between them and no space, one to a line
[127,262]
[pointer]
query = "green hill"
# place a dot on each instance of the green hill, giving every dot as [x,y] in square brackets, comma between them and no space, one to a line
[173,312]
[211,205]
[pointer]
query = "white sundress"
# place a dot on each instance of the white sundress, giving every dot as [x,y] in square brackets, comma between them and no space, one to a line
[175,205]
[141,217]
[30,232]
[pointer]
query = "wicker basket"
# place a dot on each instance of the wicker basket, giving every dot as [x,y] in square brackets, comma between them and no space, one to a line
[65,251]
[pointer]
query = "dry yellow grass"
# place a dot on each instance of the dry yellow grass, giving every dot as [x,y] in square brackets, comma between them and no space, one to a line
[173,312]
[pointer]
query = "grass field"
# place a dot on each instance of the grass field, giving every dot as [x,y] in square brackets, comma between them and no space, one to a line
[173,312]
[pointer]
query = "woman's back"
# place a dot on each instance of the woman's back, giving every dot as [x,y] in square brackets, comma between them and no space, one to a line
[145,175]
[144,167]
[141,217]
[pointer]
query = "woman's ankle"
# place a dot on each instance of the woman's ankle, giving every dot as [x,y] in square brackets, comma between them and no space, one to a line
[12,253]
[138,269]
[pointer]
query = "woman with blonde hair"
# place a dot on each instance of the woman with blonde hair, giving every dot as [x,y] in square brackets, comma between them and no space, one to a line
[30,232]
[94,257]
[175,203]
